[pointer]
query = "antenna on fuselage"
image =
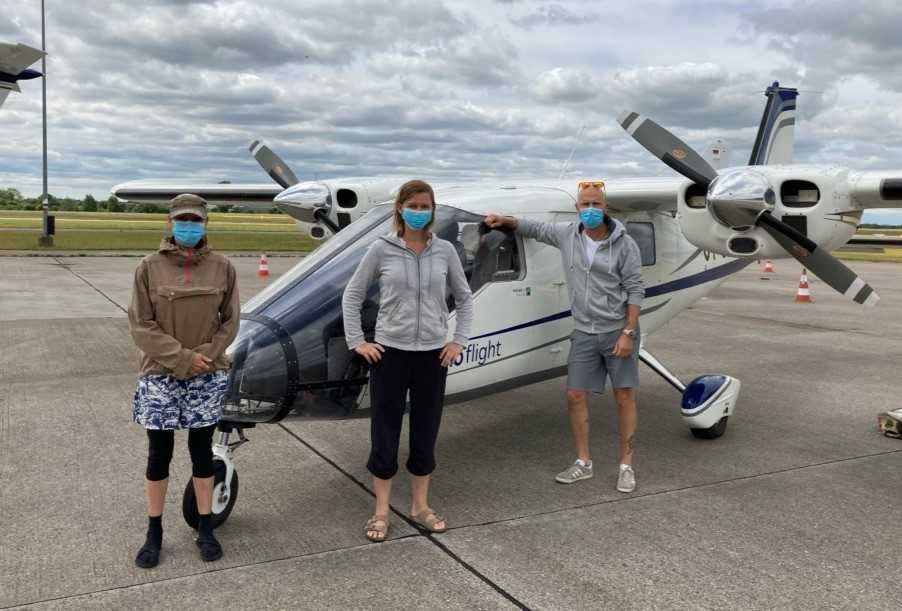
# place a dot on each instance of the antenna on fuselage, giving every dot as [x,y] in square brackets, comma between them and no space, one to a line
[572,150]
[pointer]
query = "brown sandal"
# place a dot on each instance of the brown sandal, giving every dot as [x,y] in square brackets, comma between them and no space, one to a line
[372,526]
[423,519]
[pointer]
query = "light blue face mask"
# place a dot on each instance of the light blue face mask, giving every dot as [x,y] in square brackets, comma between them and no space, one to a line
[187,233]
[591,217]
[416,219]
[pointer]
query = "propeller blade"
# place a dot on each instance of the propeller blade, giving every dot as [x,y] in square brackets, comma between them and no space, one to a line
[821,263]
[277,169]
[668,148]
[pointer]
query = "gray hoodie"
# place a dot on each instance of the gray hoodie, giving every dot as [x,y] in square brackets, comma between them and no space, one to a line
[413,311]
[599,289]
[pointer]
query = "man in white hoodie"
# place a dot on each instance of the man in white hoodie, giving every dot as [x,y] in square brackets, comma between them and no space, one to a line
[603,266]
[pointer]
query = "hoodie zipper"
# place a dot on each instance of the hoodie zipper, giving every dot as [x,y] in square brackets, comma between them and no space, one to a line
[418,289]
[588,272]
[186,268]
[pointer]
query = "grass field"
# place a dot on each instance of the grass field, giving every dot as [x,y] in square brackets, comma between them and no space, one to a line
[889,255]
[19,230]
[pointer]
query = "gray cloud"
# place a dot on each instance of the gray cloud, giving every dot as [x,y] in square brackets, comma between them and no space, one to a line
[553,15]
[832,39]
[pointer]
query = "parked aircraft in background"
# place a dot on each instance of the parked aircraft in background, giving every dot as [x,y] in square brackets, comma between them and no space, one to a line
[14,67]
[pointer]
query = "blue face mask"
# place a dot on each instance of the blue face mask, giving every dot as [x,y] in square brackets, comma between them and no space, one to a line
[416,219]
[187,233]
[591,217]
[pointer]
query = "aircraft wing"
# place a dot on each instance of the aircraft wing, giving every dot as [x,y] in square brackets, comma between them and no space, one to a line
[215,193]
[3,94]
[643,194]
[624,194]
[16,58]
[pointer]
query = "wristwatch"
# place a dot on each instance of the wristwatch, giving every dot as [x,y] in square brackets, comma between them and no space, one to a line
[630,333]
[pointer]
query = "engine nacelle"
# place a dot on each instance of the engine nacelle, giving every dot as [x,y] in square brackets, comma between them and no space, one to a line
[354,198]
[814,200]
[333,205]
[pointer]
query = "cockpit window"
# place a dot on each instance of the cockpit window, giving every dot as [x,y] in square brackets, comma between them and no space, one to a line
[487,255]
[644,235]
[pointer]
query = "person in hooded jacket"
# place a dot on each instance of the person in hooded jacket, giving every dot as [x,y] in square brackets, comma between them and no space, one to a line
[603,266]
[410,353]
[183,314]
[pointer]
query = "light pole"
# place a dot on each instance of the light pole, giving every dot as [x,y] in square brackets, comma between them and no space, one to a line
[46,238]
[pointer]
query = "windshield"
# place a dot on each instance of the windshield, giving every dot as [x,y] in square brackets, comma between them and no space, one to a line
[324,251]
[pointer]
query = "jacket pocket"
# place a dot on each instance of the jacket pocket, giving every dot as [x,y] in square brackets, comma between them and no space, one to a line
[433,319]
[398,321]
[195,305]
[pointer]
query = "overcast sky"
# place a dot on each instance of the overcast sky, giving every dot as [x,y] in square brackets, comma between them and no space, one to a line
[441,89]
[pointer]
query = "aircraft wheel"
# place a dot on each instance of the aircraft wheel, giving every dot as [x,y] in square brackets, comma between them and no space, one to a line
[713,432]
[223,502]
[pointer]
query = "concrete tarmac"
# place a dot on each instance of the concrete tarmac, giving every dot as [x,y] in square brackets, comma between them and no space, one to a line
[796,507]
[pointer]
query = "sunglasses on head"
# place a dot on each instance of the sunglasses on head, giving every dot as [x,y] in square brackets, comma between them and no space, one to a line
[586,184]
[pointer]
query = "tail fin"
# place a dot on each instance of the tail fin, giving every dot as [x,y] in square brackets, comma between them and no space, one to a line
[717,153]
[773,144]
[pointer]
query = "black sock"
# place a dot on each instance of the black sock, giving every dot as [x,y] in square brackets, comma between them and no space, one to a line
[204,525]
[155,530]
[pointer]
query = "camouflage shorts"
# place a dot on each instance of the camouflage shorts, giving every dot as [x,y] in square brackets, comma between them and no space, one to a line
[163,402]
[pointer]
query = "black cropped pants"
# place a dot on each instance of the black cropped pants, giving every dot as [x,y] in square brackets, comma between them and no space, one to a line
[159,452]
[398,373]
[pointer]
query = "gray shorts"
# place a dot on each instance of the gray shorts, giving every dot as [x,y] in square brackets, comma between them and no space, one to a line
[592,360]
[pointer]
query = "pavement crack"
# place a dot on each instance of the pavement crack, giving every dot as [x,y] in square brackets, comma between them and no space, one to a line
[196,574]
[69,269]
[428,536]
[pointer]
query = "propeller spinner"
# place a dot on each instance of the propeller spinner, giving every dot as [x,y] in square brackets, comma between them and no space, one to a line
[743,198]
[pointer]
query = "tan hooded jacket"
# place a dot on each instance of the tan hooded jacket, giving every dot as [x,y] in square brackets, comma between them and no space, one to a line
[184,300]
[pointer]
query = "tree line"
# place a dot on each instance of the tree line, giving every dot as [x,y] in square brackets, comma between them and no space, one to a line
[12,199]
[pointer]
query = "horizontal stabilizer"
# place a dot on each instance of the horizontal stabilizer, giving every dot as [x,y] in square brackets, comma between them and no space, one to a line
[15,58]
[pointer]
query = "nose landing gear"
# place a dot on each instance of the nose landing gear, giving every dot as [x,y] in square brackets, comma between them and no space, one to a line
[225,479]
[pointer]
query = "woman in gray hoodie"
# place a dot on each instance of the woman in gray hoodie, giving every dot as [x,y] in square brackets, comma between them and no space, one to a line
[410,354]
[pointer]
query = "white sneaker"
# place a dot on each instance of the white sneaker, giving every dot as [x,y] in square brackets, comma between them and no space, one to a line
[626,482]
[575,472]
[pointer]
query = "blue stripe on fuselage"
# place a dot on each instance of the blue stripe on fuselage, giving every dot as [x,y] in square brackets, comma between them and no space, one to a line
[708,275]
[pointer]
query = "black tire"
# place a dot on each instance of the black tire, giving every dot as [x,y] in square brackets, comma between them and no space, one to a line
[713,432]
[189,500]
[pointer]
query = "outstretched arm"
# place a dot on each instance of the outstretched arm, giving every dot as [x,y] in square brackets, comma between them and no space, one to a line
[549,233]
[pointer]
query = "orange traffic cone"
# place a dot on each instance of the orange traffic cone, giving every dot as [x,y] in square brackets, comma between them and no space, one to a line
[769,267]
[804,295]
[263,268]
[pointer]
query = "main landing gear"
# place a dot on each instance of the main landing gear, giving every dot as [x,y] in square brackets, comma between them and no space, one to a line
[225,479]
[708,400]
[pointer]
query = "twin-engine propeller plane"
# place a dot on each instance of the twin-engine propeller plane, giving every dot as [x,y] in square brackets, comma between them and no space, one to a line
[14,67]
[290,355]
